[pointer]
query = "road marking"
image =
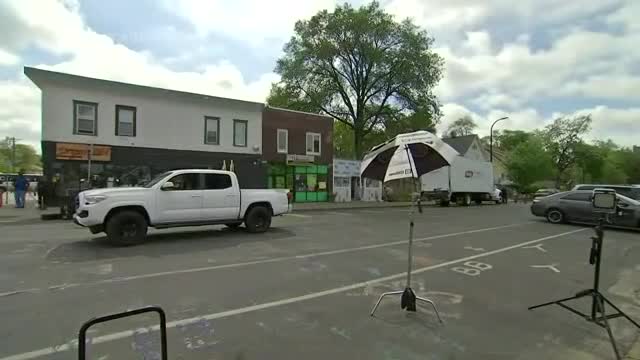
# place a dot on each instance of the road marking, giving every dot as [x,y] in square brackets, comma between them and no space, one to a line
[298,215]
[551,267]
[538,246]
[266,261]
[473,249]
[177,323]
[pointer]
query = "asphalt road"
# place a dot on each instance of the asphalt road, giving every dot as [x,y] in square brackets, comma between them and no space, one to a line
[305,288]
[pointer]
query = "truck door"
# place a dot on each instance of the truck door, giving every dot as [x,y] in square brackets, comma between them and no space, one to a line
[221,200]
[182,202]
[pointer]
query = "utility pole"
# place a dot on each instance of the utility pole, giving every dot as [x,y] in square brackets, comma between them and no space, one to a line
[11,142]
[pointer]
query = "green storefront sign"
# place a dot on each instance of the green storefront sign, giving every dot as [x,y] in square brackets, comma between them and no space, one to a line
[309,183]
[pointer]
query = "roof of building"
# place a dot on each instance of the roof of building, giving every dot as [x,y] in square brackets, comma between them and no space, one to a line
[298,111]
[39,75]
[460,143]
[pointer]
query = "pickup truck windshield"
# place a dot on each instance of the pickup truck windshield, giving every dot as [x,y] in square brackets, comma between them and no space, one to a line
[156,179]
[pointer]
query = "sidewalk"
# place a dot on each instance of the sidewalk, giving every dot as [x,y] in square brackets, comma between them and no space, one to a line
[30,213]
[347,205]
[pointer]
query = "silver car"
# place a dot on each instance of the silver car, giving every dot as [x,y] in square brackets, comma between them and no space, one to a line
[575,206]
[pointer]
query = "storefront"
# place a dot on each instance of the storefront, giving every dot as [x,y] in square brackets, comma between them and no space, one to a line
[307,181]
[67,165]
[349,186]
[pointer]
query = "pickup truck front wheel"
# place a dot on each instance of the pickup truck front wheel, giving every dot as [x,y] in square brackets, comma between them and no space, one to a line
[126,228]
[258,219]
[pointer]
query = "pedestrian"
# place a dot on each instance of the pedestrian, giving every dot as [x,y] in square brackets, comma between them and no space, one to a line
[21,186]
[42,189]
[505,195]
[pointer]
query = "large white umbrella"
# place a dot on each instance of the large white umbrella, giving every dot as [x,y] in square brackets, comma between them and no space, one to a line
[407,155]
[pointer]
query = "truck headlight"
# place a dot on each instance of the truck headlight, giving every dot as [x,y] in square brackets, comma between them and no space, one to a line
[93,199]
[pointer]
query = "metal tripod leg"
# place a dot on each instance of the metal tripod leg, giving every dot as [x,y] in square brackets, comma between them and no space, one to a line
[600,303]
[620,311]
[432,304]
[383,295]
[579,295]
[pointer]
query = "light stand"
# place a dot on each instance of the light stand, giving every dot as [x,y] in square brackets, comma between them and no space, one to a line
[597,315]
[408,297]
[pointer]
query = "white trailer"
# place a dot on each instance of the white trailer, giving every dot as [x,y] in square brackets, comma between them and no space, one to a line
[464,181]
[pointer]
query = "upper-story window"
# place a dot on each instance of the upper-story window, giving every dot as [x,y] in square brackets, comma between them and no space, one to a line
[85,118]
[283,141]
[313,144]
[240,133]
[211,130]
[125,120]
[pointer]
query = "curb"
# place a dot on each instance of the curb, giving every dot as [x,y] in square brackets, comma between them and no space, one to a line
[347,207]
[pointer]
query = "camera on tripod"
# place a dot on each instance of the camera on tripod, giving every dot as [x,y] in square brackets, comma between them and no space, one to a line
[604,201]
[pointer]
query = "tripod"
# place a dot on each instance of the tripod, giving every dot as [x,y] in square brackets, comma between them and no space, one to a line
[598,315]
[408,297]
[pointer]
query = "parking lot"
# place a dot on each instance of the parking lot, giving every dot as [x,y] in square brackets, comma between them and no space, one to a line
[305,288]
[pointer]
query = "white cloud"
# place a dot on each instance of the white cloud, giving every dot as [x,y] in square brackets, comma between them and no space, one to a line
[7,58]
[249,21]
[621,125]
[461,14]
[591,64]
[439,14]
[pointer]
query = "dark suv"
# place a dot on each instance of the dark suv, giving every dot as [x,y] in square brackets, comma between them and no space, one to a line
[630,191]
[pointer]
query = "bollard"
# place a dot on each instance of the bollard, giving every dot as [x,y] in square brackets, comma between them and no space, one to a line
[1,197]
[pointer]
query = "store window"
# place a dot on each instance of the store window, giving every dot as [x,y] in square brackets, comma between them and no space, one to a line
[85,118]
[313,144]
[125,120]
[311,183]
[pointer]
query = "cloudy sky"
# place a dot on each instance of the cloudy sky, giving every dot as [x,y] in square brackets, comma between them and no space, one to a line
[532,61]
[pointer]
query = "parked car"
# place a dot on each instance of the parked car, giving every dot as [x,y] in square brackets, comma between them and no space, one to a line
[575,206]
[631,191]
[178,198]
[545,192]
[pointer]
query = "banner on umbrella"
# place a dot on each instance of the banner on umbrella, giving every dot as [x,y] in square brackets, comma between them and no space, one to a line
[400,166]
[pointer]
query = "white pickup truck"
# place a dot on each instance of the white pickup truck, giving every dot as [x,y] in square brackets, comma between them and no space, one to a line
[178,198]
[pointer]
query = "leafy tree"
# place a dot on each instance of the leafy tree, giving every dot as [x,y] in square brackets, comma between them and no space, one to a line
[528,163]
[461,127]
[561,139]
[507,140]
[360,67]
[27,158]
[590,159]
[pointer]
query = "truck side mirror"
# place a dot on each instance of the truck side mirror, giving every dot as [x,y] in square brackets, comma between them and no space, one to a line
[168,186]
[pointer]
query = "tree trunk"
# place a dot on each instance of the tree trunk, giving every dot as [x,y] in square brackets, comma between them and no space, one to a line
[357,139]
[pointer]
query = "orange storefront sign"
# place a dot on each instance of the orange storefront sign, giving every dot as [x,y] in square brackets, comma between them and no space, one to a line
[69,151]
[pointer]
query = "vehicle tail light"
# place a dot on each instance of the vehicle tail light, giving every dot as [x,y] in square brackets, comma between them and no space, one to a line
[289,196]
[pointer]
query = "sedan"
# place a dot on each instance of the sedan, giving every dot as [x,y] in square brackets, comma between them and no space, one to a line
[575,206]
[545,192]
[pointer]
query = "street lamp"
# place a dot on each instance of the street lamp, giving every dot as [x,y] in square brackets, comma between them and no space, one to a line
[491,138]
